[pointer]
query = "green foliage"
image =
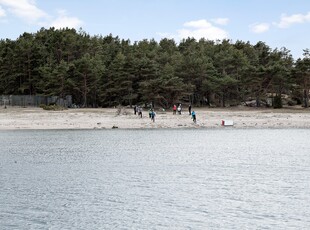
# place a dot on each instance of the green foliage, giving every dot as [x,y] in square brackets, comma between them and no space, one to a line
[277,102]
[108,71]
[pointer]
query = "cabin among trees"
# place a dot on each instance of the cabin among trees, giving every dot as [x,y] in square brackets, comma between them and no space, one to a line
[108,71]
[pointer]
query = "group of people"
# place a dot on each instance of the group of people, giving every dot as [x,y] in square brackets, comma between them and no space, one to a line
[179,109]
[137,110]
[152,114]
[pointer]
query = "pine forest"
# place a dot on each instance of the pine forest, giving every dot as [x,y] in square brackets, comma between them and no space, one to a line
[106,71]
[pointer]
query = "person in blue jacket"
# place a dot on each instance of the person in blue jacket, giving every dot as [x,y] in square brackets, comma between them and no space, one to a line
[194,116]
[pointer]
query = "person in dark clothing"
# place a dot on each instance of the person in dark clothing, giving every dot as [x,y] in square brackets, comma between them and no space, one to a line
[190,109]
[153,114]
[150,113]
[139,111]
[135,109]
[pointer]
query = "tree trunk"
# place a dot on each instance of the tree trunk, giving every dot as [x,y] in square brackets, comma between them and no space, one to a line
[257,101]
[306,98]
[223,99]
[29,72]
[85,90]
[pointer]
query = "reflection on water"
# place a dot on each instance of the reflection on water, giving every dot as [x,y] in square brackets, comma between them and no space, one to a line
[155,179]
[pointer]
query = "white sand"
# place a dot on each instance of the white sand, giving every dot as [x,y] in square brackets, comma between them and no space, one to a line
[13,118]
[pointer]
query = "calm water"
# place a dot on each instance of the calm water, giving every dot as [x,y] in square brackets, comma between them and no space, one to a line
[155,179]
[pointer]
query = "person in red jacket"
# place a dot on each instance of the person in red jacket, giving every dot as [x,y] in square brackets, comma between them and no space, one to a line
[174,109]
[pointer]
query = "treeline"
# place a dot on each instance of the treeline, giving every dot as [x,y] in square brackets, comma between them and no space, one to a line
[109,71]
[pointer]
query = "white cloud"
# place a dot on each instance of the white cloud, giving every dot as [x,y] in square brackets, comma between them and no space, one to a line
[287,21]
[198,24]
[220,21]
[63,21]
[202,29]
[2,12]
[198,29]
[29,12]
[24,9]
[259,28]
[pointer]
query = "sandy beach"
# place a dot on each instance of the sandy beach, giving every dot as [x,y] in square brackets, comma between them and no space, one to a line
[16,118]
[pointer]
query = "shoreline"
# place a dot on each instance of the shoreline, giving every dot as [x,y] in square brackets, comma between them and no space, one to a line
[34,118]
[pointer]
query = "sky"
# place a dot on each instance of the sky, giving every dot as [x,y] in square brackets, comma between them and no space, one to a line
[278,23]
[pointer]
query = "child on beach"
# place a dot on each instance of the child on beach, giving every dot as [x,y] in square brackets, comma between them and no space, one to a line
[150,113]
[180,109]
[174,109]
[194,116]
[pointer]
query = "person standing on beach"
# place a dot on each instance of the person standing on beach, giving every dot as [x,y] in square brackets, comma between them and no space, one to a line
[135,109]
[194,116]
[153,114]
[174,109]
[140,111]
[150,113]
[180,109]
[190,109]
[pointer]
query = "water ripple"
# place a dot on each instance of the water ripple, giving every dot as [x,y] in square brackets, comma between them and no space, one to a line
[155,179]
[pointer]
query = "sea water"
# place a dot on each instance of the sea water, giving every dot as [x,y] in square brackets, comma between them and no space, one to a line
[155,179]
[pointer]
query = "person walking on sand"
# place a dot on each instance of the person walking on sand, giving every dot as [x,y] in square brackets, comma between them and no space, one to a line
[194,116]
[190,109]
[150,113]
[174,109]
[153,115]
[140,111]
[135,109]
[180,109]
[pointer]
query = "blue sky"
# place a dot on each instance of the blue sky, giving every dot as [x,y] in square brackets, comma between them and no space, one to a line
[278,23]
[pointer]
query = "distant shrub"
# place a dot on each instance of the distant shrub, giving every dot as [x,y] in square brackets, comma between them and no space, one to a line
[53,107]
[277,102]
[292,102]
